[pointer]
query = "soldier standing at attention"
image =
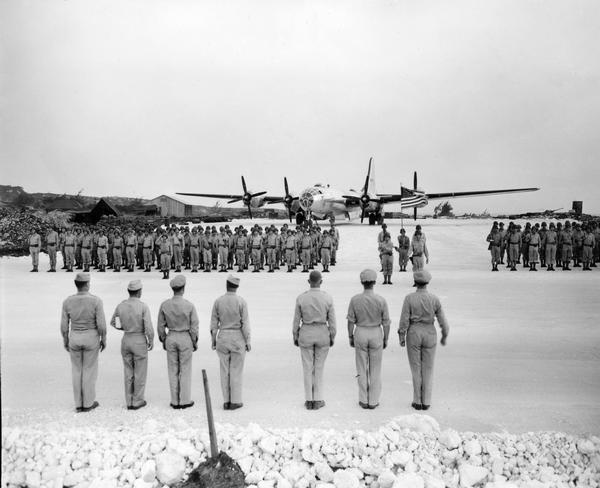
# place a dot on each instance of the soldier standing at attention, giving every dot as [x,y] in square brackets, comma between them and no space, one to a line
[418,249]
[256,245]
[132,316]
[271,249]
[526,236]
[577,245]
[230,334]
[165,255]
[403,247]
[335,237]
[290,249]
[566,242]
[51,246]
[502,232]
[83,329]
[495,240]
[241,244]
[86,249]
[195,250]
[223,244]
[549,245]
[69,250]
[326,246]
[102,246]
[542,232]
[177,245]
[417,333]
[179,316]
[147,242]
[386,254]
[35,245]
[117,252]
[368,332]
[514,246]
[380,240]
[187,257]
[78,248]
[534,249]
[314,309]
[588,244]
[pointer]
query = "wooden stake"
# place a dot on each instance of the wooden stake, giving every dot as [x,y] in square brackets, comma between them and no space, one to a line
[209,415]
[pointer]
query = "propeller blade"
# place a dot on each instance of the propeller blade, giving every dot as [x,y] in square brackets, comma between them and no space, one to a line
[362,215]
[415,181]
[250,211]
[234,200]
[252,195]
[244,185]
[290,214]
[285,184]
[415,213]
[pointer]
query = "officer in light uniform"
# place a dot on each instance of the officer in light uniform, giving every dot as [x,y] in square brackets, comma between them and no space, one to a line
[271,245]
[131,245]
[549,243]
[368,331]
[418,249]
[132,316]
[256,246]
[230,334]
[314,310]
[86,249]
[588,244]
[117,252]
[69,250]
[83,329]
[417,333]
[534,249]
[51,247]
[403,247]
[147,250]
[495,244]
[102,246]
[386,256]
[195,243]
[306,251]
[179,316]
[290,250]
[326,246]
[35,245]
[165,255]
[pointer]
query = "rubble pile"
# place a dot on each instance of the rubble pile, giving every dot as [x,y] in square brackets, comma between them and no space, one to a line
[407,452]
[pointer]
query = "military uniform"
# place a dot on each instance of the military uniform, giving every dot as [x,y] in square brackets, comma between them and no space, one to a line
[230,331]
[566,242]
[588,244]
[417,329]
[222,242]
[69,250]
[165,255]
[534,249]
[147,251]
[326,246]
[35,245]
[368,329]
[514,245]
[314,309]
[51,246]
[86,250]
[83,328]
[195,243]
[386,253]
[306,247]
[179,316]
[256,246]
[495,242]
[132,316]
[418,253]
[549,243]
[117,252]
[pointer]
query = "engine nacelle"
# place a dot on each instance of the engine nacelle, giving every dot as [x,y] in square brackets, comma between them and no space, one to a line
[257,202]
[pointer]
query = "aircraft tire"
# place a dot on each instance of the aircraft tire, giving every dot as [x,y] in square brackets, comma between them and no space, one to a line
[299,218]
[371,219]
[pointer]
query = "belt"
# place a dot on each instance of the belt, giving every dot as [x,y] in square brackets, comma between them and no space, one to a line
[147,247]
[240,248]
[68,245]
[130,245]
[34,245]
[255,247]
[306,248]
[195,246]
[85,247]
[116,247]
[314,323]
[272,247]
[588,245]
[221,245]
[325,247]
[533,245]
[165,253]
[52,243]
[102,247]
[176,245]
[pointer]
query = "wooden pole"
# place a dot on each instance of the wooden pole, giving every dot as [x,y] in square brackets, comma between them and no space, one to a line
[211,424]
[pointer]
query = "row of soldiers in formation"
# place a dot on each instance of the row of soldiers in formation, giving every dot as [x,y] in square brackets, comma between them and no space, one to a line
[100,247]
[548,245]
[314,329]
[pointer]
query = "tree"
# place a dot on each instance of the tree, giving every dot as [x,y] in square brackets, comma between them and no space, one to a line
[444,209]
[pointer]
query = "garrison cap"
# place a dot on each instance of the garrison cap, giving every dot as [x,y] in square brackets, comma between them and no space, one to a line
[368,275]
[422,277]
[82,277]
[134,285]
[177,282]
[233,280]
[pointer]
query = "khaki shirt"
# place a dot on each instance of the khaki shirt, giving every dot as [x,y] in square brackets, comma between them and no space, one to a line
[420,308]
[135,318]
[230,312]
[35,240]
[81,312]
[178,315]
[367,309]
[52,238]
[314,307]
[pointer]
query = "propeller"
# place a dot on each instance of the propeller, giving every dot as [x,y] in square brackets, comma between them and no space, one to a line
[288,199]
[365,199]
[247,197]
[415,188]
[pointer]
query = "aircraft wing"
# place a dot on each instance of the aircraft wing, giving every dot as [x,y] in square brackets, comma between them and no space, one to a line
[396,197]
[230,196]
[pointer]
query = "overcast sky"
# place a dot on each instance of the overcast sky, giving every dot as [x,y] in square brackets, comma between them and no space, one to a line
[139,98]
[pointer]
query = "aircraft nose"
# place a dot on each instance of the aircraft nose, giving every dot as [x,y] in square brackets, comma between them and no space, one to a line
[306,200]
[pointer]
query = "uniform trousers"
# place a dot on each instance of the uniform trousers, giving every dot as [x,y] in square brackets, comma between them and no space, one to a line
[194,256]
[86,257]
[179,364]
[421,341]
[534,255]
[550,254]
[240,255]
[567,253]
[495,252]
[117,257]
[256,257]
[289,257]
[147,252]
[102,256]
[272,256]
[83,348]
[325,256]
[314,347]
[387,263]
[418,262]
[368,351]
[165,261]
[52,255]
[231,348]
[587,255]
[223,253]
[134,350]
[35,256]
[69,256]
[403,257]
[513,252]
[130,255]
[207,258]
[177,256]
[305,255]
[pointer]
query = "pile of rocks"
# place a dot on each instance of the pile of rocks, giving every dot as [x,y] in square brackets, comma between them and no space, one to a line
[409,451]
